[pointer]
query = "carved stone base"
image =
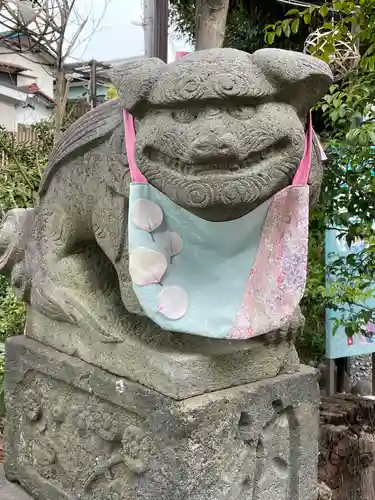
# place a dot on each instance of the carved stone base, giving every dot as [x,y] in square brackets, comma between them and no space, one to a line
[77,432]
[179,366]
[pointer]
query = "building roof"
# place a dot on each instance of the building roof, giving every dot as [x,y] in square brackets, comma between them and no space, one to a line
[28,90]
[7,67]
[35,90]
[23,43]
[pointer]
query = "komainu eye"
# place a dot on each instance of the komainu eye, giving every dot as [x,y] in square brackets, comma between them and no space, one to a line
[184,115]
[241,112]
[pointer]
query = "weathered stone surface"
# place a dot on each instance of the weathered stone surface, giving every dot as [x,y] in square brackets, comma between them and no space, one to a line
[178,366]
[362,388]
[218,132]
[77,432]
[9,491]
[347,447]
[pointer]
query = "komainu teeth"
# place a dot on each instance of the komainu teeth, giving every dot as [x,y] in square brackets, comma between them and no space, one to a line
[184,167]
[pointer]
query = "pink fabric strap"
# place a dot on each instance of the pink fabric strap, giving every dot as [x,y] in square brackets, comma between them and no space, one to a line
[129,129]
[303,171]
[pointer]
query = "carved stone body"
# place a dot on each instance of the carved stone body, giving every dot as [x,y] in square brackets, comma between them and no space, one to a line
[218,132]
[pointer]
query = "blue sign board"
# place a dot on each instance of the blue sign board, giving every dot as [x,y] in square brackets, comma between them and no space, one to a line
[339,345]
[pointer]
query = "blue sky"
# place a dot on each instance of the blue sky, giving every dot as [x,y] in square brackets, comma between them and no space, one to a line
[118,34]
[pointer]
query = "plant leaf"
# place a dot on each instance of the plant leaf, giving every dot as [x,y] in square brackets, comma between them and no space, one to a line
[295,26]
[286,29]
[324,10]
[270,37]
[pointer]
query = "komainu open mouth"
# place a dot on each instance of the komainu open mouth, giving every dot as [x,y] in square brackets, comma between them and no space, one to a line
[217,167]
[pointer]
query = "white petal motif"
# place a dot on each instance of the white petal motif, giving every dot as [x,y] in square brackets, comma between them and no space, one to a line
[172,243]
[147,266]
[173,302]
[147,215]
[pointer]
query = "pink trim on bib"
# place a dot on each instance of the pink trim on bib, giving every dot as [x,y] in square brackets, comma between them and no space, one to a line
[129,130]
[303,171]
[278,277]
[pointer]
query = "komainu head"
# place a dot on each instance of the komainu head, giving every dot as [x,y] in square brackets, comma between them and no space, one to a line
[220,131]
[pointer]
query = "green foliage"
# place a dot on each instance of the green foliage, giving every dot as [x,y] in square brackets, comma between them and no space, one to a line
[311,344]
[245,23]
[19,181]
[12,312]
[347,113]
[21,173]
[2,403]
[350,205]
[111,94]
[340,20]
[348,197]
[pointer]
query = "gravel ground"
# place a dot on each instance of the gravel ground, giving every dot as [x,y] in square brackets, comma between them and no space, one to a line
[360,381]
[361,368]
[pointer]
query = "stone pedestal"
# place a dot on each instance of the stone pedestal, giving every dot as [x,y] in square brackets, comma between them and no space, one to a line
[177,365]
[77,432]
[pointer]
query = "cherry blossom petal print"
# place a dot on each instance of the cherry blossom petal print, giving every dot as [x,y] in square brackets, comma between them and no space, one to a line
[173,302]
[172,243]
[147,266]
[147,215]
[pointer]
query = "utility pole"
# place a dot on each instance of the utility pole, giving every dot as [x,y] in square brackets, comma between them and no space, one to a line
[156,28]
[93,88]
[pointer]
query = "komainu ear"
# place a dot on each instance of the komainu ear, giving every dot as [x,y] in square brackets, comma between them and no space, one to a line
[300,78]
[134,79]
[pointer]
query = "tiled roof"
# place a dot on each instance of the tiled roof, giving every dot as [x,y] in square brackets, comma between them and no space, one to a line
[10,67]
[34,89]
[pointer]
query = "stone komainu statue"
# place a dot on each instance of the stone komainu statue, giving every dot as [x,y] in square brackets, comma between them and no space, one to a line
[68,257]
[102,403]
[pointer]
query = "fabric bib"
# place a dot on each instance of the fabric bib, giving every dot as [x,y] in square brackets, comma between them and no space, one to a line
[227,280]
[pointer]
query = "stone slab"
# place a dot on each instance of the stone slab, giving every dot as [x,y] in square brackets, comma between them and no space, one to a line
[10,491]
[77,432]
[179,366]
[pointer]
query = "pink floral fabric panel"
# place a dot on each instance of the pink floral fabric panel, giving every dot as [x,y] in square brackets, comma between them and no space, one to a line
[278,278]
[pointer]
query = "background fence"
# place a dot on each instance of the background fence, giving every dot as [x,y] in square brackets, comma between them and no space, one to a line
[24,134]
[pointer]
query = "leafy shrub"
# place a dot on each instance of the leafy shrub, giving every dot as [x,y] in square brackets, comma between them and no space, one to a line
[20,176]
[311,342]
[245,23]
[2,405]
[12,311]
[348,197]
[19,181]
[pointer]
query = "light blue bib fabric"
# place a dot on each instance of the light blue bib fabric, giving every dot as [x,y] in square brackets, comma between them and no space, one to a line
[213,275]
[231,279]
